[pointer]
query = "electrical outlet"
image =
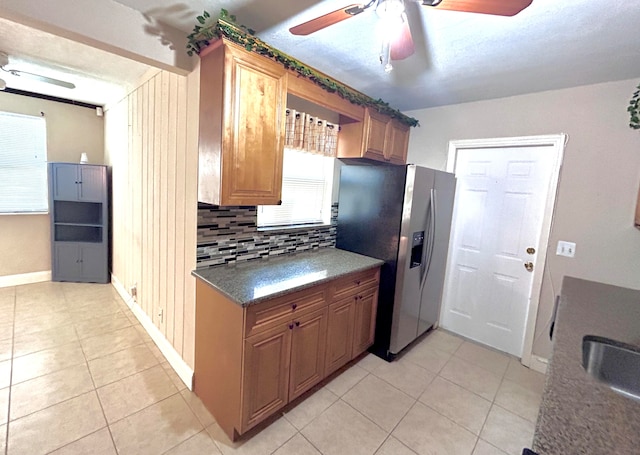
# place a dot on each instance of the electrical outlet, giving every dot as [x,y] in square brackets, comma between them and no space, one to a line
[567,249]
[133,290]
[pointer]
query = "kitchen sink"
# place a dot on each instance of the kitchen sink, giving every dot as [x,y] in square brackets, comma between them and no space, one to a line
[613,363]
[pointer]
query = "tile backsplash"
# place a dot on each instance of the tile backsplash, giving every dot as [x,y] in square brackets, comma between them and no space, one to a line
[230,234]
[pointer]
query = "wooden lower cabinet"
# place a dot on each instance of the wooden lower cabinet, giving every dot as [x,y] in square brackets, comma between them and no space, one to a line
[250,362]
[339,334]
[266,374]
[364,326]
[309,335]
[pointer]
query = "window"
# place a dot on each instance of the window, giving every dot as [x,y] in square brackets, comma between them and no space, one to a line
[307,183]
[23,163]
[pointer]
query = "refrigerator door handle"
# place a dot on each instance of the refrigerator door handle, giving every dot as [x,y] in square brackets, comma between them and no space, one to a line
[430,237]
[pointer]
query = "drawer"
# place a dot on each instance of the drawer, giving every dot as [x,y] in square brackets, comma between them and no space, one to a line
[354,283]
[264,315]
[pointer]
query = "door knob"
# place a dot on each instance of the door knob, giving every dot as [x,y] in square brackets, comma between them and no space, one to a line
[531,250]
[528,266]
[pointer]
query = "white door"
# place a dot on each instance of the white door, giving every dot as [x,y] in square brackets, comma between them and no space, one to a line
[502,197]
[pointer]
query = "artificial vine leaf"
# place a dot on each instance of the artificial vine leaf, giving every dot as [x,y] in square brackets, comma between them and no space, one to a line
[634,110]
[226,27]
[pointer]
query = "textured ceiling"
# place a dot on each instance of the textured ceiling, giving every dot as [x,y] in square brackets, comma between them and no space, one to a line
[99,76]
[459,57]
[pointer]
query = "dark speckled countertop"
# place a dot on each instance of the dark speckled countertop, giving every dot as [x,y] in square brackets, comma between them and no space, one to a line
[253,281]
[579,415]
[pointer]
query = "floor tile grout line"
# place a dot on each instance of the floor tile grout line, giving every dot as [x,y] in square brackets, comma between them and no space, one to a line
[109,424]
[72,442]
[289,439]
[13,340]
[95,390]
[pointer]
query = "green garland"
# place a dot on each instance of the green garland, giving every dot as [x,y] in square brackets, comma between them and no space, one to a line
[224,26]
[634,110]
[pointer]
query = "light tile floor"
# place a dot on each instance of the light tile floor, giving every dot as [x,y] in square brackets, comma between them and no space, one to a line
[79,375]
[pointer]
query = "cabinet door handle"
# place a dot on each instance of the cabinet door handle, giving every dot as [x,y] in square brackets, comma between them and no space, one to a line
[357,282]
[294,306]
[297,323]
[290,326]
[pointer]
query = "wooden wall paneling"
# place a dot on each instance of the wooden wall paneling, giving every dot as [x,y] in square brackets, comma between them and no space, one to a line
[171,206]
[163,134]
[155,253]
[191,214]
[155,164]
[143,115]
[180,198]
[136,173]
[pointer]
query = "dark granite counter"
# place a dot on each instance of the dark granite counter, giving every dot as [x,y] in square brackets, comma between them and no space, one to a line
[578,414]
[253,281]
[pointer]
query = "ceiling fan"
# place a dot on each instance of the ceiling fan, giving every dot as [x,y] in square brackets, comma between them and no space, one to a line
[4,61]
[399,44]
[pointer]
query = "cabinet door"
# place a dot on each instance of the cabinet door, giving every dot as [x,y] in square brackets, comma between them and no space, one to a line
[364,327]
[66,262]
[65,180]
[92,183]
[265,384]
[397,143]
[375,135]
[94,264]
[308,344]
[256,93]
[339,334]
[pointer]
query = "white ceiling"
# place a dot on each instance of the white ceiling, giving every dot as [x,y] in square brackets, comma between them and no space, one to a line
[459,57]
[99,76]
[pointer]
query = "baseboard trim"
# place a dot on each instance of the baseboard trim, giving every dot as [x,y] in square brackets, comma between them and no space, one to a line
[181,368]
[25,278]
[539,364]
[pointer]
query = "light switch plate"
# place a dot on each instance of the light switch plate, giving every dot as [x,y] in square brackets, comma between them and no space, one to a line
[567,249]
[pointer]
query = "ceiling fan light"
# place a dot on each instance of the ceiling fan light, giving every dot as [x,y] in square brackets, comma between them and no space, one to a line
[388,9]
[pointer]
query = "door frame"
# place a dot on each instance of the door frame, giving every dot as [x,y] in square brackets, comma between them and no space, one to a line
[557,143]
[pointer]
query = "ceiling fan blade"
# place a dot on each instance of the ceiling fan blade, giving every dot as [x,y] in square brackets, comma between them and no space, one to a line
[495,7]
[402,45]
[326,20]
[37,77]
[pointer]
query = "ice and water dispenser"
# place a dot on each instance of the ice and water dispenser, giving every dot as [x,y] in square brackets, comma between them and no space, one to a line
[417,245]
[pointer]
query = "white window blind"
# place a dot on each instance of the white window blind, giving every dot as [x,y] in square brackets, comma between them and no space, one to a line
[23,163]
[307,182]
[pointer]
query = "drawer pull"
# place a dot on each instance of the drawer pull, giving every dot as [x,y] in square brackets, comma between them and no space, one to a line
[294,306]
[357,282]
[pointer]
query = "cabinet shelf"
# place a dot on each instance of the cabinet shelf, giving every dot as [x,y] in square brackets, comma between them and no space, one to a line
[77,212]
[77,224]
[77,233]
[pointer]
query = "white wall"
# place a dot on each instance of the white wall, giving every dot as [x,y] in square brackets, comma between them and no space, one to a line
[25,245]
[598,182]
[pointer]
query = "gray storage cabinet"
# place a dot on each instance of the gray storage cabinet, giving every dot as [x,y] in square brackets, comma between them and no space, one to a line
[78,205]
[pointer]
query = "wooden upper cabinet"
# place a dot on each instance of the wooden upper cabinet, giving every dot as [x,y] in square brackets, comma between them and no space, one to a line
[397,142]
[241,135]
[377,137]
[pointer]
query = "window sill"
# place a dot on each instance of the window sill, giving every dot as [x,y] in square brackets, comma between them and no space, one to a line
[293,227]
[22,213]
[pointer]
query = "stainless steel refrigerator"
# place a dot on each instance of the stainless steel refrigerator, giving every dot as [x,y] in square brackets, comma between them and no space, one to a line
[402,215]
